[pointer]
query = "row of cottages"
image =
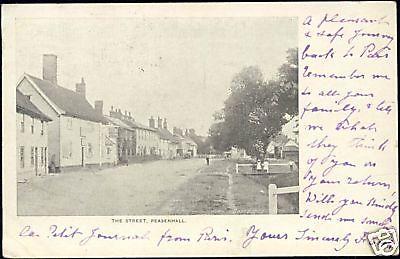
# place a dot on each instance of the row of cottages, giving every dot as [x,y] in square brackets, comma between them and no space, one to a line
[32,142]
[168,144]
[186,146]
[78,135]
[134,139]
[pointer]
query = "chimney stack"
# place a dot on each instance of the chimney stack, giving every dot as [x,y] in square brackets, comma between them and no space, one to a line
[98,106]
[80,88]
[159,123]
[178,131]
[152,122]
[165,125]
[50,68]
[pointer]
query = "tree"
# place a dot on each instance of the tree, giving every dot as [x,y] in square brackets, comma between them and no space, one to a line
[217,136]
[287,92]
[256,110]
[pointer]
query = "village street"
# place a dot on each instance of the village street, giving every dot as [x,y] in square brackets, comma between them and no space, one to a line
[164,187]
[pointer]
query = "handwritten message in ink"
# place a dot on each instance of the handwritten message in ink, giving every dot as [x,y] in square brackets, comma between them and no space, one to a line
[348,158]
[347,112]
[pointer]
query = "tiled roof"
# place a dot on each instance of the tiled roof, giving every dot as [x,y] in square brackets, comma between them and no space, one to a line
[137,125]
[165,134]
[191,141]
[72,103]
[118,122]
[24,105]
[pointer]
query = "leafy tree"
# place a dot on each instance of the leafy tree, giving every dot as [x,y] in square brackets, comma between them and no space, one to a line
[256,109]
[287,92]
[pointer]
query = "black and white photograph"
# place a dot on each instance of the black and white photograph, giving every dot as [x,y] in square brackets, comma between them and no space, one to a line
[199,129]
[157,116]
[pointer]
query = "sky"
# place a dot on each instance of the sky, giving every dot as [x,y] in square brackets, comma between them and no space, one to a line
[175,68]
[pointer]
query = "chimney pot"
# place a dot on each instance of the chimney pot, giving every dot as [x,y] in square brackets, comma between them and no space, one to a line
[152,122]
[98,106]
[80,88]
[159,122]
[165,125]
[50,68]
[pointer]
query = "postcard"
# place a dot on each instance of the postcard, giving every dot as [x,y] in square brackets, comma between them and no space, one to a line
[225,129]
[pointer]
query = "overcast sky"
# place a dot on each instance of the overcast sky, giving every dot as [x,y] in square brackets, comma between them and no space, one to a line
[178,68]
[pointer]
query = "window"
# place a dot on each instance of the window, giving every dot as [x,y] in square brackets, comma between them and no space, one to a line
[41,156]
[32,156]
[108,150]
[69,123]
[23,123]
[67,150]
[42,128]
[21,157]
[89,150]
[33,125]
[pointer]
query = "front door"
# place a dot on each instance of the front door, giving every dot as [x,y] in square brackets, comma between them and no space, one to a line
[36,160]
[83,156]
[45,160]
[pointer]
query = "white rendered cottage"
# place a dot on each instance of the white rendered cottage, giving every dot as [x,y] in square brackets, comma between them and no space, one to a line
[75,132]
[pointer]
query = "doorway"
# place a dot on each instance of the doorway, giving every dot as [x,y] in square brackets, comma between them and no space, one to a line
[36,161]
[83,157]
[45,160]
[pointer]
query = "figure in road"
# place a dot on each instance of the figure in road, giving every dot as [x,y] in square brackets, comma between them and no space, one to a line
[266,166]
[259,166]
[291,164]
[208,160]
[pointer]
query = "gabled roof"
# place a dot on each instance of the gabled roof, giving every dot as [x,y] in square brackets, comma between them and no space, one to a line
[24,105]
[109,142]
[72,103]
[291,146]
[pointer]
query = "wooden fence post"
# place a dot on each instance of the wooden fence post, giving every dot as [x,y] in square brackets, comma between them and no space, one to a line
[272,199]
[237,168]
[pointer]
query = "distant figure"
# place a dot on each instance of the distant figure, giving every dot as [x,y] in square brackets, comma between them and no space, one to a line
[259,166]
[208,160]
[52,165]
[291,164]
[266,166]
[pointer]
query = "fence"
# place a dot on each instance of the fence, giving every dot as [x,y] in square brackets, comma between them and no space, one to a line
[265,168]
[273,192]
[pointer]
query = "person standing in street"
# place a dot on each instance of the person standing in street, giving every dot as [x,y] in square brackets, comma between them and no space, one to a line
[259,166]
[208,160]
[291,164]
[266,166]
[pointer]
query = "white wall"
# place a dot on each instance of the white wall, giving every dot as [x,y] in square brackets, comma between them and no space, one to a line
[28,140]
[70,141]
[108,152]
[26,88]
